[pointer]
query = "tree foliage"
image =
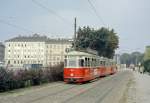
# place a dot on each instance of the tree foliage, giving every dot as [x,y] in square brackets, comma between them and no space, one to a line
[103,40]
[147,53]
[125,59]
[133,58]
[146,64]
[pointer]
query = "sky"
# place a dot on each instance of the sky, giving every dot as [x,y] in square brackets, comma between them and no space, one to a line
[129,18]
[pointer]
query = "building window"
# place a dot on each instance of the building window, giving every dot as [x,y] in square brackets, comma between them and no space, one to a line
[8,61]
[14,62]
[54,58]
[50,46]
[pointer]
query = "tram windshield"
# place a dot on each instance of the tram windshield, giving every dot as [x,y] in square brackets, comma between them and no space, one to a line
[70,61]
[74,62]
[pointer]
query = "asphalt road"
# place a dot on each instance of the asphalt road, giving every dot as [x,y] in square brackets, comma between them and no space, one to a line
[108,89]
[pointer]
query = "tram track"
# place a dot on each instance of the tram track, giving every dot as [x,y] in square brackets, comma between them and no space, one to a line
[50,94]
[93,92]
[80,89]
[85,91]
[75,88]
[101,87]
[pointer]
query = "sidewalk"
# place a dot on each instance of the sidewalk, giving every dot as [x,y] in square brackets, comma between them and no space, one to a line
[139,89]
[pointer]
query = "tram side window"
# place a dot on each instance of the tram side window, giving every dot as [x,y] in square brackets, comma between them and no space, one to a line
[104,63]
[101,62]
[95,63]
[92,62]
[81,62]
[111,64]
[98,62]
[86,62]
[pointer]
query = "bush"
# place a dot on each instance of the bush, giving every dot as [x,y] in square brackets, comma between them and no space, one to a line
[146,66]
[10,80]
[5,79]
[57,72]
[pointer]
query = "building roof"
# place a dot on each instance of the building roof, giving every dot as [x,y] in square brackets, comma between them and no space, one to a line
[37,38]
[79,53]
[34,38]
[59,41]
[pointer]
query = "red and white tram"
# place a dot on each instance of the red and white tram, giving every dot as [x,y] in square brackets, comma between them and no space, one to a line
[82,66]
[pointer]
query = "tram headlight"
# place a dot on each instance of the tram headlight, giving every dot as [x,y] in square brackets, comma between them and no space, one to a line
[71,74]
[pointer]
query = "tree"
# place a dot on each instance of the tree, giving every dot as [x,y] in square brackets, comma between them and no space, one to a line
[125,59]
[146,61]
[133,58]
[147,53]
[146,65]
[136,58]
[103,40]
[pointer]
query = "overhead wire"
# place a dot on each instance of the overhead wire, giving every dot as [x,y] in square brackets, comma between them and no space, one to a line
[15,26]
[51,11]
[96,13]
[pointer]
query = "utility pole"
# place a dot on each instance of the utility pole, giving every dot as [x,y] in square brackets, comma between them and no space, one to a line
[75,26]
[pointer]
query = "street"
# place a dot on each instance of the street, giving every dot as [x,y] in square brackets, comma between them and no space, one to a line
[108,89]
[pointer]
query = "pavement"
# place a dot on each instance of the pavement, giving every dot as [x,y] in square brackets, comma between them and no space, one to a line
[110,89]
[139,89]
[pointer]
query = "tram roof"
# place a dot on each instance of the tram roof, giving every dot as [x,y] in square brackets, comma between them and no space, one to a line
[79,53]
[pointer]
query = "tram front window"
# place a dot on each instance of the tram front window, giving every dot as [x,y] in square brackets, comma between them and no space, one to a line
[71,63]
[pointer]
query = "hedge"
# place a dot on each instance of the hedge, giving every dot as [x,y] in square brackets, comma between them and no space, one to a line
[10,80]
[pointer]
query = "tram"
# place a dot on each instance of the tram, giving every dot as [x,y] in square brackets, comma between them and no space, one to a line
[82,66]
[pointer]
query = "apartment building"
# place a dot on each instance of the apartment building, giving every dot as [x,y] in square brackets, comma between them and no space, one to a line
[22,51]
[2,51]
[55,50]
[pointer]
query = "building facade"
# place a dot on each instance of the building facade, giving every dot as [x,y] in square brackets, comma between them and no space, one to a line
[2,52]
[147,53]
[23,51]
[55,50]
